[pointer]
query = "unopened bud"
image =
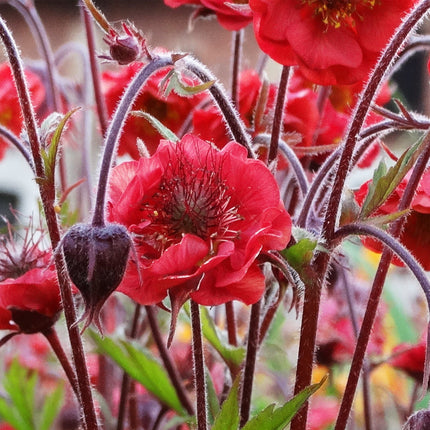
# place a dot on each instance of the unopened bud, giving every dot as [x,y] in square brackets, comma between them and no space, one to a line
[96,259]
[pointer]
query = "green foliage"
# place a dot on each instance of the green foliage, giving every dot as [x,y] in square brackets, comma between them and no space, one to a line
[173,82]
[232,355]
[228,417]
[386,180]
[53,127]
[162,129]
[272,418]
[24,407]
[140,364]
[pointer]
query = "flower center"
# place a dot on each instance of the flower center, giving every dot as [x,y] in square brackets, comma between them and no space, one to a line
[339,12]
[191,199]
[18,254]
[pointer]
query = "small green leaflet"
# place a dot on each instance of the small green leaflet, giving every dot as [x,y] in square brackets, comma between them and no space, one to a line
[162,129]
[273,418]
[228,417]
[386,180]
[173,82]
[56,124]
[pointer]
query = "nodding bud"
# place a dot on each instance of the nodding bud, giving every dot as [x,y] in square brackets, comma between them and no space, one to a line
[127,46]
[96,259]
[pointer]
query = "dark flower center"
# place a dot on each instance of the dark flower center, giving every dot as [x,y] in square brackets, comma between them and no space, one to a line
[192,199]
[339,12]
[18,256]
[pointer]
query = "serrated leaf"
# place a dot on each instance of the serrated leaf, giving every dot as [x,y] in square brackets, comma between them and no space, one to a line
[142,367]
[385,181]
[228,416]
[49,155]
[212,398]
[232,355]
[162,129]
[174,83]
[51,408]
[277,419]
[382,220]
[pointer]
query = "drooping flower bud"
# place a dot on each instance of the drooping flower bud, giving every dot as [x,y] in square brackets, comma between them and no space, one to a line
[126,46]
[96,259]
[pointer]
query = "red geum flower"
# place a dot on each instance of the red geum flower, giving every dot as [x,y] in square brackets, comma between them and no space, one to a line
[333,42]
[410,359]
[10,111]
[29,292]
[199,217]
[171,111]
[232,15]
[32,301]
[416,230]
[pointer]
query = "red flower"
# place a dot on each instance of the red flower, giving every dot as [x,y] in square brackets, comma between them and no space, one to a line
[10,111]
[29,292]
[333,42]
[30,303]
[410,359]
[171,111]
[232,15]
[416,231]
[199,217]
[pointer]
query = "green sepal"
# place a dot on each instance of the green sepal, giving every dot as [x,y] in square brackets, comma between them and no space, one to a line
[162,129]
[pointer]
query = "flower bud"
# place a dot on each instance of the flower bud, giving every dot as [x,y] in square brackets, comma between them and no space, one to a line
[96,259]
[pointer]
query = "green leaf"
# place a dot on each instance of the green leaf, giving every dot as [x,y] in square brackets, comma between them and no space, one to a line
[54,124]
[212,398]
[173,82]
[385,181]
[51,408]
[277,419]
[233,356]
[228,417]
[162,129]
[142,367]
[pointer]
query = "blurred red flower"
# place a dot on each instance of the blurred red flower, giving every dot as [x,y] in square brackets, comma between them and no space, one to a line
[333,42]
[172,111]
[10,111]
[29,292]
[416,230]
[410,359]
[30,303]
[199,217]
[232,15]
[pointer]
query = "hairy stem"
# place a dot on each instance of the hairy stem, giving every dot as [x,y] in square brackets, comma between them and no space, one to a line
[115,127]
[237,51]
[52,337]
[95,71]
[167,361]
[278,115]
[199,367]
[231,116]
[251,358]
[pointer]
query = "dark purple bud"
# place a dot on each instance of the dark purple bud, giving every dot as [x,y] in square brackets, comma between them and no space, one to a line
[418,421]
[126,46]
[96,259]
